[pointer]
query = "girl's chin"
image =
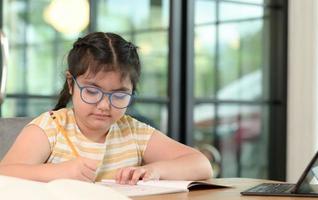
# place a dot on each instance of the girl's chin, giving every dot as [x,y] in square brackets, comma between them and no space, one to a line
[101,122]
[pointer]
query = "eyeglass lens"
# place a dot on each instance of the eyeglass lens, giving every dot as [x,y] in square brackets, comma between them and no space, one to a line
[94,95]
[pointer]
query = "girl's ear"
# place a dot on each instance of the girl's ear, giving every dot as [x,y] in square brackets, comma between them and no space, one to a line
[69,80]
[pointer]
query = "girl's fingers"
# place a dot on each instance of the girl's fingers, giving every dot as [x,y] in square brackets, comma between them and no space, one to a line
[88,173]
[131,175]
[85,178]
[123,174]
[137,174]
[126,175]
[118,175]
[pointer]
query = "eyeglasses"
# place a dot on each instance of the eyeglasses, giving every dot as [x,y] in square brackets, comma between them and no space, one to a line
[94,95]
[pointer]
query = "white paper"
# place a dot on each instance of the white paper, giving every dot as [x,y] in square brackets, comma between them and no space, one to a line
[143,188]
[61,189]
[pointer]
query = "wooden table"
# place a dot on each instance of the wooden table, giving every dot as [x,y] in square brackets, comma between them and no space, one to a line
[239,184]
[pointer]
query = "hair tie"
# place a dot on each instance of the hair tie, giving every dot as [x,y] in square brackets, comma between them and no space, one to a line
[131,46]
[80,43]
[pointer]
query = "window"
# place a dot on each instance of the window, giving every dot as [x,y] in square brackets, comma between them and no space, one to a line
[235,85]
[213,72]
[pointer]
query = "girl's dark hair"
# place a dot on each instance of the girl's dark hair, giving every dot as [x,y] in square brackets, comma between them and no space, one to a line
[97,52]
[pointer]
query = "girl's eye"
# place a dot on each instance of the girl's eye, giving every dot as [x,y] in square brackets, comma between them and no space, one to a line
[91,91]
[120,95]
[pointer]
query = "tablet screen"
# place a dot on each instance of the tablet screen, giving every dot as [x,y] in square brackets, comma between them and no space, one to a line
[310,182]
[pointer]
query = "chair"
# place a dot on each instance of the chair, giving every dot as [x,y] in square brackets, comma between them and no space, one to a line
[9,130]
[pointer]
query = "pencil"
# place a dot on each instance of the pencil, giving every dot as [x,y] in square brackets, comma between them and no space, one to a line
[61,129]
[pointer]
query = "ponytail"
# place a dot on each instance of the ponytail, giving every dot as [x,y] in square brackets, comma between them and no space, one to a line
[64,97]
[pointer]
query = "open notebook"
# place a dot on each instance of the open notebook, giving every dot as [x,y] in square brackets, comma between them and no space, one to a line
[61,189]
[307,184]
[143,188]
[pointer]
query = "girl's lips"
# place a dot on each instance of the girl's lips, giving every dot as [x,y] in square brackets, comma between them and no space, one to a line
[99,116]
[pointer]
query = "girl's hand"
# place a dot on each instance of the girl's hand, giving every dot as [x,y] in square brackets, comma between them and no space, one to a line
[83,169]
[131,175]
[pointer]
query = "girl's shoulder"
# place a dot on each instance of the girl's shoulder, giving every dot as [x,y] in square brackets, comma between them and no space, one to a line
[64,115]
[48,124]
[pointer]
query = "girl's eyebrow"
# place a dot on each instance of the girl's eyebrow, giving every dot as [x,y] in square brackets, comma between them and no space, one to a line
[123,88]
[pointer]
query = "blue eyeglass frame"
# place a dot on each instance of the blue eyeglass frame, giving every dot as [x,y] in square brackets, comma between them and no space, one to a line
[109,94]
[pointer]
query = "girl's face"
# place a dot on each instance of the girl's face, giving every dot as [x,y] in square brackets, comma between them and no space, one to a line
[98,117]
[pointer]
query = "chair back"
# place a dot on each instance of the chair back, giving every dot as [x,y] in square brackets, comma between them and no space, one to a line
[9,130]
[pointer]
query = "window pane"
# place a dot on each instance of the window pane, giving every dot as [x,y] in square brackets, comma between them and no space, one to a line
[150,113]
[46,65]
[203,122]
[37,57]
[238,133]
[243,140]
[154,61]
[241,61]
[204,137]
[16,71]
[14,20]
[235,11]
[13,107]
[204,84]
[38,31]
[252,1]
[204,12]
[125,16]
[39,70]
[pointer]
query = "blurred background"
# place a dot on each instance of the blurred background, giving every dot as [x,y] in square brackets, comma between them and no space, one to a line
[214,72]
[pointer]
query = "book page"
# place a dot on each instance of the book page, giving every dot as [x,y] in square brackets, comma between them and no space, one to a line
[73,189]
[182,185]
[159,186]
[145,187]
[16,189]
[63,189]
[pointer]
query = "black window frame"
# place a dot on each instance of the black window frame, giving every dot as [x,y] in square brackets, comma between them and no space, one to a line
[181,70]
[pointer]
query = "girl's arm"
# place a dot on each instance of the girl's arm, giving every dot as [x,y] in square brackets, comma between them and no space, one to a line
[27,156]
[173,160]
[165,158]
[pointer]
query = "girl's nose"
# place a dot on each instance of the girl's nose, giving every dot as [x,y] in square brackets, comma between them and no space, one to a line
[104,104]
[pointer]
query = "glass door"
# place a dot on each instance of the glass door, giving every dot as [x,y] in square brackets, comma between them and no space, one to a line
[36,63]
[238,108]
[4,53]
[213,71]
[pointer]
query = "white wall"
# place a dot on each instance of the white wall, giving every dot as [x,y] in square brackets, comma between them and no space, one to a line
[302,85]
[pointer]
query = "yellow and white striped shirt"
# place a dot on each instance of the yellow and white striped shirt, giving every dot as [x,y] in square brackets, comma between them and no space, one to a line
[124,146]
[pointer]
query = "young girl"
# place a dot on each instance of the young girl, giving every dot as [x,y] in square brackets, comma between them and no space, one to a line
[94,139]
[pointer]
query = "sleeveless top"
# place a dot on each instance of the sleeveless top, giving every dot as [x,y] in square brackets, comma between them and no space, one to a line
[124,145]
